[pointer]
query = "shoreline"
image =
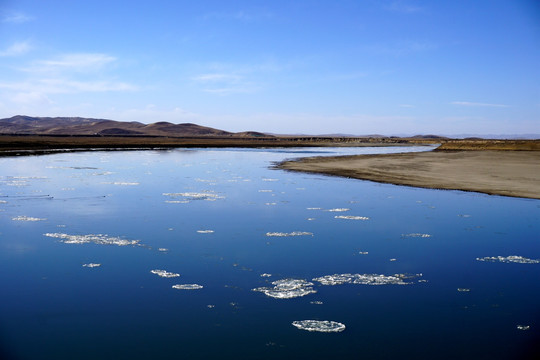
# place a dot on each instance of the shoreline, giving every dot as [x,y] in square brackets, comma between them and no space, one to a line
[504,173]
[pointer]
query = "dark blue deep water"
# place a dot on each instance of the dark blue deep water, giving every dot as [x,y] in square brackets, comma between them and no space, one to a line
[52,307]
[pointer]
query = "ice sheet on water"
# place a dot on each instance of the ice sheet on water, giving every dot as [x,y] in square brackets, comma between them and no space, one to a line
[164,273]
[338,210]
[294,233]
[463,290]
[523,327]
[416,235]
[91,265]
[509,259]
[350,217]
[325,326]
[366,279]
[100,239]
[288,289]
[121,183]
[205,231]
[27,218]
[187,286]
[207,195]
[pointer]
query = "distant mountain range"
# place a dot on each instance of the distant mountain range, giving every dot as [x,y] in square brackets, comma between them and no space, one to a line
[28,125]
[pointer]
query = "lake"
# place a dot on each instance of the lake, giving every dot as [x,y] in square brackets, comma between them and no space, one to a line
[92,243]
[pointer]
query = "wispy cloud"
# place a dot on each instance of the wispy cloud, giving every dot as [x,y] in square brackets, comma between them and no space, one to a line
[16,49]
[85,62]
[225,79]
[403,7]
[65,74]
[240,15]
[476,104]
[16,18]
[400,48]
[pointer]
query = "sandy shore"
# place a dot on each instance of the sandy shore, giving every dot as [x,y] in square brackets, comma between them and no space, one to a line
[508,173]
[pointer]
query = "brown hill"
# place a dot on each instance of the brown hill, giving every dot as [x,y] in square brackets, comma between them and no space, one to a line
[27,125]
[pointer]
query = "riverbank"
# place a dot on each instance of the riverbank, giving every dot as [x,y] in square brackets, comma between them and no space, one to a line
[495,172]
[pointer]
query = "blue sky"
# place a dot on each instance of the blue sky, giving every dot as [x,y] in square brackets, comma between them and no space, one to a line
[317,67]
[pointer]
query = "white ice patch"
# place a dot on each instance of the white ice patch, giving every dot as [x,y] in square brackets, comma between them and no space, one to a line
[338,210]
[205,231]
[164,273]
[91,265]
[509,259]
[208,196]
[27,218]
[265,191]
[288,289]
[122,183]
[350,217]
[325,326]
[100,239]
[294,233]
[416,235]
[365,279]
[187,286]
[463,290]
[523,327]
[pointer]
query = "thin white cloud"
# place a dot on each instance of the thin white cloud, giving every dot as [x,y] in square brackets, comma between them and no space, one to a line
[217,77]
[16,49]
[66,86]
[400,48]
[85,62]
[476,104]
[16,18]
[240,15]
[403,7]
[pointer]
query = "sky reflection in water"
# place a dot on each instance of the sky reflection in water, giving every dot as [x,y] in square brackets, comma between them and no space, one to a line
[205,215]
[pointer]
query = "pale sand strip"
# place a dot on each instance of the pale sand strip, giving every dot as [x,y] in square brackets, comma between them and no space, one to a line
[508,173]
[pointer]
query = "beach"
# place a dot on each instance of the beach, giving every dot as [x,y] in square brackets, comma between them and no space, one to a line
[507,173]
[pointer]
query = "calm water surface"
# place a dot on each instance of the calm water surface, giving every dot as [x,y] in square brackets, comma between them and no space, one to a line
[205,215]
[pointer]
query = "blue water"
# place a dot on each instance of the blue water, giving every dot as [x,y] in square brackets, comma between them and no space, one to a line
[54,308]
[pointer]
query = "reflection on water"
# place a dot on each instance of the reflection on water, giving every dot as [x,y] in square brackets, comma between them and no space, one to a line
[256,244]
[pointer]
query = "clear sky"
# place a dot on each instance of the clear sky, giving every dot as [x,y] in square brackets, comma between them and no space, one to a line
[318,67]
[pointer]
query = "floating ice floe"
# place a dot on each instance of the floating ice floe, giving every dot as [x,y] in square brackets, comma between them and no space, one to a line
[187,286]
[209,196]
[523,327]
[294,233]
[288,289]
[338,210]
[325,326]
[100,239]
[463,290]
[314,208]
[163,249]
[316,302]
[416,235]
[509,259]
[205,231]
[270,204]
[310,219]
[27,218]
[270,179]
[363,253]
[265,191]
[392,259]
[266,275]
[350,217]
[164,273]
[91,265]
[366,279]
[177,201]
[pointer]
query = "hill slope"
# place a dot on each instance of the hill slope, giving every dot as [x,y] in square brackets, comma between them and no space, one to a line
[27,125]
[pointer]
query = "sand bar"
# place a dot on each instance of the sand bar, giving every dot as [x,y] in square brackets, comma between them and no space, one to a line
[507,173]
